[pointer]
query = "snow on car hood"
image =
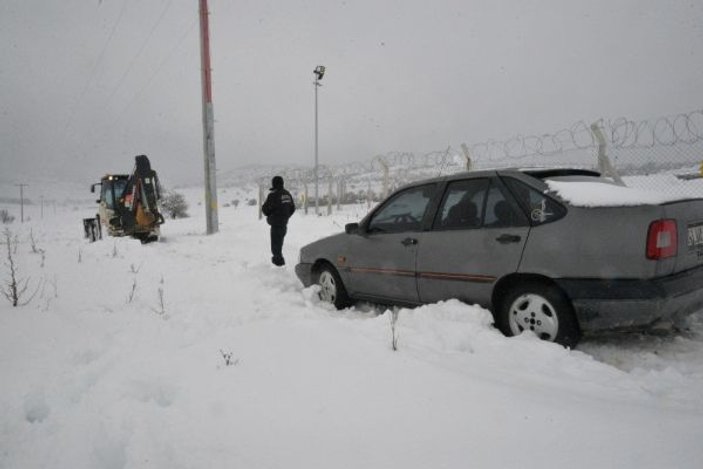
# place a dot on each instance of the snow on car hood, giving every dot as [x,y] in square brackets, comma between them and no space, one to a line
[605,194]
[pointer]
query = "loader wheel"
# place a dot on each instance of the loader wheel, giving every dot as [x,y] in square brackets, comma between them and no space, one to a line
[148,238]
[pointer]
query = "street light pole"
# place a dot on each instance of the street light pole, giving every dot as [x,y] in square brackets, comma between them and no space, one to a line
[319,73]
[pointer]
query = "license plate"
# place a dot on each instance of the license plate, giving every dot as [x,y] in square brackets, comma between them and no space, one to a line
[695,235]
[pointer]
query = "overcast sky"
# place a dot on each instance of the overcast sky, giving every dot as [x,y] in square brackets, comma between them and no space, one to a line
[87,84]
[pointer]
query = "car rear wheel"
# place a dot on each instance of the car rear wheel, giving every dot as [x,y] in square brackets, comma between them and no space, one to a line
[542,309]
[331,287]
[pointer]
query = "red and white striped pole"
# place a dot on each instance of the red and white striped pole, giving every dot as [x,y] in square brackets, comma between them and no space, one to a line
[208,123]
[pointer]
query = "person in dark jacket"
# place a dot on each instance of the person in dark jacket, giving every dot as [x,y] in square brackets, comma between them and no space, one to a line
[278,208]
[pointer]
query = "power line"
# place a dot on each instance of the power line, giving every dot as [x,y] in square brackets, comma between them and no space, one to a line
[149,81]
[141,49]
[78,101]
[153,75]
[156,71]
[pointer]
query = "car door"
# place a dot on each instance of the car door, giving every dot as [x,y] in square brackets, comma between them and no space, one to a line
[477,236]
[381,260]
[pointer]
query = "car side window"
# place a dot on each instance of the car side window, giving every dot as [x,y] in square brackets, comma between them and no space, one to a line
[403,212]
[500,212]
[462,205]
[540,208]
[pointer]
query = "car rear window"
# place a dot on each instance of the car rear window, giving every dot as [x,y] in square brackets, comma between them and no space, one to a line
[540,208]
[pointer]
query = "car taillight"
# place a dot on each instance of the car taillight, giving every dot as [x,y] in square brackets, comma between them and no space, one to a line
[662,239]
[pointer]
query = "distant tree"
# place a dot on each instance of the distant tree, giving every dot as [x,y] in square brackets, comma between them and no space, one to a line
[174,204]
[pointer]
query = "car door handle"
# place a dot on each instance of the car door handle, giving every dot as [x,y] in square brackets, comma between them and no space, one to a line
[508,238]
[409,241]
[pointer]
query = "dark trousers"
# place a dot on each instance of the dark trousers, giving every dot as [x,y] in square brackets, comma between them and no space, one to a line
[278,232]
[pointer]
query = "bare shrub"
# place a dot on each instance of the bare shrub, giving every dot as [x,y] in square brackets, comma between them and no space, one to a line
[15,288]
[5,217]
[35,249]
[130,297]
[161,310]
[227,357]
[394,331]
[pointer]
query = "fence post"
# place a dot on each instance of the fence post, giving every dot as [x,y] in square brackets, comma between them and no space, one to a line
[339,193]
[467,156]
[368,195]
[261,200]
[604,164]
[305,200]
[329,196]
[344,190]
[386,188]
[384,166]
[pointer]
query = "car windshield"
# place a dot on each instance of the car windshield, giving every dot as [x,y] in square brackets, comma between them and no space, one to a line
[403,212]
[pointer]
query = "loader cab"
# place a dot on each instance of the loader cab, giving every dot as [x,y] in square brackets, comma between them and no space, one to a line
[112,188]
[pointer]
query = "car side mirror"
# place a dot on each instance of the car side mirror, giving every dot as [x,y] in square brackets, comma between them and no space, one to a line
[351,228]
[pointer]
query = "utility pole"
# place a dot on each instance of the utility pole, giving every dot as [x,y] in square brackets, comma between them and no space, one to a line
[208,123]
[21,186]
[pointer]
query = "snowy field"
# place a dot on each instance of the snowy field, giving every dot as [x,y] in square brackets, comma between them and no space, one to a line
[195,352]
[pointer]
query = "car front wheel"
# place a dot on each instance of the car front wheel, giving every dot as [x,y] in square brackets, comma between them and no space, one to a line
[331,287]
[542,309]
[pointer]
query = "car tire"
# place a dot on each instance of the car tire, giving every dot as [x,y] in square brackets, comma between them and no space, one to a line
[542,308]
[331,287]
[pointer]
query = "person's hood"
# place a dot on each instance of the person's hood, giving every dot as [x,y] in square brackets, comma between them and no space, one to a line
[276,183]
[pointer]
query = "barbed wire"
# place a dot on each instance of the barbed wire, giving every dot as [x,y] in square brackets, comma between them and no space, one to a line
[681,128]
[635,146]
[620,133]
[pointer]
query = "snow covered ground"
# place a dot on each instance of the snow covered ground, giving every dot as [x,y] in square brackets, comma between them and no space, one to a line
[195,352]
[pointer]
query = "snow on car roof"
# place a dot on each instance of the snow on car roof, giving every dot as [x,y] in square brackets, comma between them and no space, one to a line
[604,193]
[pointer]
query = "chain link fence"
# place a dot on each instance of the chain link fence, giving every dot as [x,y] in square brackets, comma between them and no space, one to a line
[663,154]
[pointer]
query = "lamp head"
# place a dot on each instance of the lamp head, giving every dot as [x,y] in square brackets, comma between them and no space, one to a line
[319,71]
